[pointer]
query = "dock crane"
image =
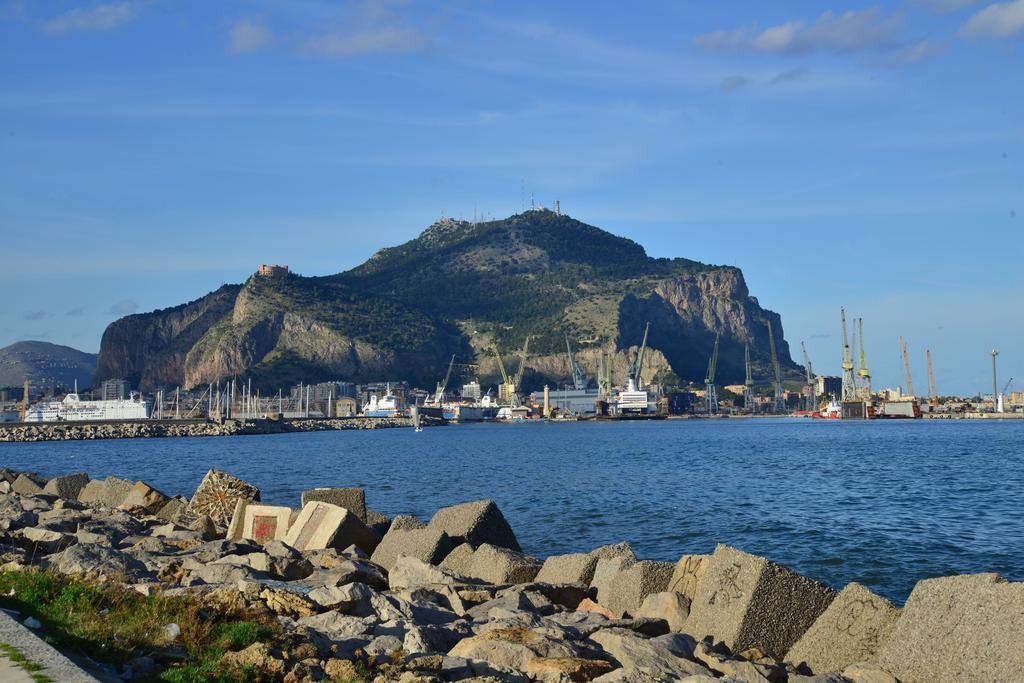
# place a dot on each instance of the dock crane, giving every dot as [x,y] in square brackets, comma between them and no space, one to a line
[748,384]
[812,401]
[579,380]
[507,389]
[999,403]
[849,384]
[779,403]
[637,366]
[933,393]
[443,385]
[862,371]
[710,395]
[906,367]
[517,381]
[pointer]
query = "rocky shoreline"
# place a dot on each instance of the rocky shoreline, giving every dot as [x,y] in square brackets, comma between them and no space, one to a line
[355,595]
[153,429]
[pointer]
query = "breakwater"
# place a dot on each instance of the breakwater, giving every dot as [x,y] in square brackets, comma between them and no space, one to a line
[151,429]
[345,592]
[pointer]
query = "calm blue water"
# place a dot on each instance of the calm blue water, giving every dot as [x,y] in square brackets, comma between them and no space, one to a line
[882,503]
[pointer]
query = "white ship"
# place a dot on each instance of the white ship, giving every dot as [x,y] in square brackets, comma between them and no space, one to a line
[631,399]
[74,409]
[382,406]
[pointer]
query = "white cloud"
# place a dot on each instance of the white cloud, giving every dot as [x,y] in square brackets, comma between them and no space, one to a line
[249,36]
[852,31]
[734,83]
[123,307]
[1002,20]
[100,17]
[945,6]
[351,43]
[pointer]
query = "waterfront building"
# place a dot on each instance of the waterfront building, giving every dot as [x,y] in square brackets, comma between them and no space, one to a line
[113,390]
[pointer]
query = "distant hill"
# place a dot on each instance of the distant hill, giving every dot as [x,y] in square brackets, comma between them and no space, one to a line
[45,365]
[459,288]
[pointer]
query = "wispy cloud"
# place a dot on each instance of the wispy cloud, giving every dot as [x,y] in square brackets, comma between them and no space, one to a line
[101,17]
[35,315]
[946,6]
[733,83]
[248,35]
[852,31]
[368,27]
[75,312]
[123,307]
[1001,20]
[790,76]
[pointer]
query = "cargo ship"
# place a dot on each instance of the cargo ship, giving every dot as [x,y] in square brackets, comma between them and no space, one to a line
[73,409]
[382,406]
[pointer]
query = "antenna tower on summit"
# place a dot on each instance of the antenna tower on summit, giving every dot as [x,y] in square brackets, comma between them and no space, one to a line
[558,208]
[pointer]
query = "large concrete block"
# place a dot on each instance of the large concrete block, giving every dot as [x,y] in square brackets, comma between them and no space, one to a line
[352,499]
[92,492]
[851,630]
[68,486]
[748,601]
[263,523]
[28,484]
[322,525]
[145,498]
[498,565]
[459,560]
[958,628]
[572,568]
[628,588]
[475,523]
[687,574]
[429,545]
[110,492]
[217,495]
[171,508]
[606,569]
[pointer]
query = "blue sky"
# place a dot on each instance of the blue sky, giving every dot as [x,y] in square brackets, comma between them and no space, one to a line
[857,154]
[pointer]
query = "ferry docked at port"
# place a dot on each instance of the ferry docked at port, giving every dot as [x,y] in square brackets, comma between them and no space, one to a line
[382,406]
[73,409]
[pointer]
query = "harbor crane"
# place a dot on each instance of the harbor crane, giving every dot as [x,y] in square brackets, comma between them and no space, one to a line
[779,403]
[710,395]
[932,392]
[1006,387]
[748,383]
[862,370]
[604,382]
[579,380]
[906,367]
[443,385]
[637,366]
[849,391]
[812,402]
[994,395]
[510,385]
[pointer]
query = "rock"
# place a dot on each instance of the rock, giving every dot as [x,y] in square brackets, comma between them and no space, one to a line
[588,605]
[512,648]
[383,648]
[140,668]
[428,545]
[672,607]
[628,588]
[406,523]
[352,499]
[32,623]
[110,493]
[46,541]
[205,527]
[747,601]
[558,669]
[862,672]
[475,523]
[572,568]
[688,572]
[958,628]
[649,657]
[28,484]
[256,656]
[96,561]
[288,603]
[409,572]
[216,497]
[606,569]
[144,498]
[171,508]
[171,632]
[286,568]
[92,492]
[568,595]
[378,522]
[852,629]
[459,560]
[68,486]
[345,598]
[341,670]
[348,571]
[322,525]
[734,668]
[499,565]
[622,549]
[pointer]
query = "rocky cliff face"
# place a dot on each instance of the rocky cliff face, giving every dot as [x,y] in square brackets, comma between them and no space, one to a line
[463,289]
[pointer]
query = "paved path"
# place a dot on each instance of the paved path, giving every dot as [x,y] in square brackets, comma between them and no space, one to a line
[55,665]
[11,672]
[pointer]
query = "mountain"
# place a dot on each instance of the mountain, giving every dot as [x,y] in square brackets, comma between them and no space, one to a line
[459,288]
[45,365]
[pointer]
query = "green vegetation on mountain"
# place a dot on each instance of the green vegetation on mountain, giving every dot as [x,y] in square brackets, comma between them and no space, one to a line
[45,365]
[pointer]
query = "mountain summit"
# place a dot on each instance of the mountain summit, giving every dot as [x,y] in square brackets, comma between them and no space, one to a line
[459,288]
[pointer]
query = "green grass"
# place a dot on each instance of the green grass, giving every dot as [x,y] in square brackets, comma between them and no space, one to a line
[112,624]
[31,667]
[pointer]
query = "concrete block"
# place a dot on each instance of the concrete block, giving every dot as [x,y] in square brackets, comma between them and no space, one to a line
[668,605]
[110,493]
[68,486]
[429,545]
[144,497]
[958,628]
[216,497]
[606,569]
[322,525]
[747,601]
[572,568]
[628,588]
[475,523]
[459,560]
[378,522]
[688,573]
[171,508]
[92,492]
[406,522]
[234,532]
[352,499]
[851,630]
[263,523]
[28,484]
[498,565]
[622,549]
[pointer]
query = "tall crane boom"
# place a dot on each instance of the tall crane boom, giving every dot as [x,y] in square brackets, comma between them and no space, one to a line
[862,371]
[906,367]
[780,394]
[812,401]
[849,384]
[443,385]
[932,392]
[579,380]
[638,361]
[748,383]
[710,395]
